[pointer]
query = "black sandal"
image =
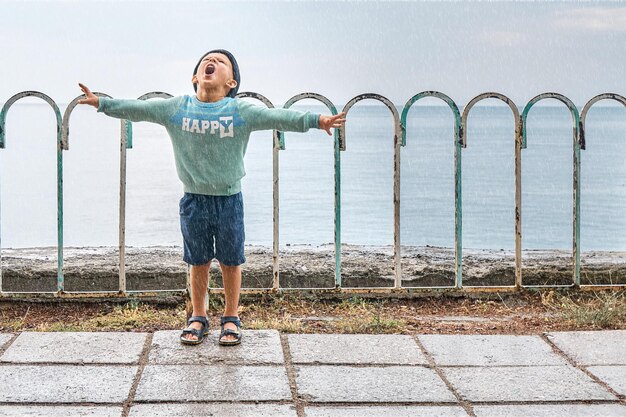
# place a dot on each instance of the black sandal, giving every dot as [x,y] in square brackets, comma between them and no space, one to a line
[200,334]
[230,332]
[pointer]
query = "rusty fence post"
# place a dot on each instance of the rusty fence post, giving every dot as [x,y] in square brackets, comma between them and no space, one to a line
[458,201]
[518,171]
[57,113]
[337,171]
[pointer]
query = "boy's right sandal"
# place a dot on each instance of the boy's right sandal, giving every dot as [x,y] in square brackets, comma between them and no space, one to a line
[200,334]
[230,332]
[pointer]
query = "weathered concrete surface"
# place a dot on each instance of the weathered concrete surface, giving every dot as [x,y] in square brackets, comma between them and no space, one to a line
[302,266]
[607,347]
[4,338]
[213,410]
[93,268]
[385,411]
[213,380]
[74,347]
[257,347]
[59,411]
[218,383]
[489,350]
[538,383]
[355,349]
[370,384]
[556,410]
[613,376]
[65,383]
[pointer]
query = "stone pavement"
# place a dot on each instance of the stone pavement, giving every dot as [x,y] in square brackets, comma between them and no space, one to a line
[306,375]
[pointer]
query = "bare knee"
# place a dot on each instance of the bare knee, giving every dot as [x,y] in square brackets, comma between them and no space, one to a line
[230,268]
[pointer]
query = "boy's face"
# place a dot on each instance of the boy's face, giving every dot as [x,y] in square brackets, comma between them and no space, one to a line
[214,71]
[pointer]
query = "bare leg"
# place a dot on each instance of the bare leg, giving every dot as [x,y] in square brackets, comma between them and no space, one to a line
[199,284]
[232,288]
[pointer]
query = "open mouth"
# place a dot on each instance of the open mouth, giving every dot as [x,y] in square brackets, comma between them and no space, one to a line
[210,69]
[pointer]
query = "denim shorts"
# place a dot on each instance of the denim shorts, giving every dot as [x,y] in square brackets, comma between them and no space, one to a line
[212,227]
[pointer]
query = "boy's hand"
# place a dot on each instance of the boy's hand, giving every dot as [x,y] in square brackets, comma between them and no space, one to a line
[326,122]
[91,99]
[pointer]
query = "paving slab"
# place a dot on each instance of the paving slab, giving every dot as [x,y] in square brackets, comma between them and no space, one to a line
[536,383]
[4,338]
[613,376]
[65,383]
[355,349]
[604,347]
[76,347]
[258,347]
[385,411]
[59,411]
[213,383]
[552,410]
[213,410]
[490,350]
[371,384]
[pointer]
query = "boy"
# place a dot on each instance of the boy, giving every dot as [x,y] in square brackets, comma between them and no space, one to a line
[209,133]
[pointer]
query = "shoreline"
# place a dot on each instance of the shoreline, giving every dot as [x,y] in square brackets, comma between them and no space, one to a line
[303,266]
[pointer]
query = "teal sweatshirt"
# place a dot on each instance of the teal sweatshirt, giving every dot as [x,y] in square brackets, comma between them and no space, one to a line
[209,139]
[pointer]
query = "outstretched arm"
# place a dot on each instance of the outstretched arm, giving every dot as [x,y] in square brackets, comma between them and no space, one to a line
[286,120]
[155,111]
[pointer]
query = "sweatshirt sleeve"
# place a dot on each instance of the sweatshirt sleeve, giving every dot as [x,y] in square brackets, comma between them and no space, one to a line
[154,110]
[287,120]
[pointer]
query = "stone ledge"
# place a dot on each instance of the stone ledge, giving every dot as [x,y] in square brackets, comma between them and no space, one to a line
[302,266]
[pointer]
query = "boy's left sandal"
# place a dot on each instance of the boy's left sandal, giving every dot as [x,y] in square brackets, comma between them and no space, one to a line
[230,332]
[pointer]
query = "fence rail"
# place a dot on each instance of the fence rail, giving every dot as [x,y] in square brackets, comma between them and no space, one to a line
[340,144]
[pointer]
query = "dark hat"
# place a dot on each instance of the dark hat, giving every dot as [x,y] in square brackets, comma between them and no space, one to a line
[233,61]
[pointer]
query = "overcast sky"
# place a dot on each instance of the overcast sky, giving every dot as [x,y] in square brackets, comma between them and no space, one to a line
[338,49]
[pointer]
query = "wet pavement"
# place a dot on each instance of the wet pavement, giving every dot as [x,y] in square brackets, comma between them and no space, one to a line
[314,375]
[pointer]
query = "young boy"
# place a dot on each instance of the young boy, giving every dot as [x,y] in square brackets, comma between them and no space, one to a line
[209,133]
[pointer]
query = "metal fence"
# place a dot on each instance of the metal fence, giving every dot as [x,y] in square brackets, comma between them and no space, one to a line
[399,140]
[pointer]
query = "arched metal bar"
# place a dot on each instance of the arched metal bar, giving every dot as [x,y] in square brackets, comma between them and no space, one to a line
[337,155]
[583,114]
[65,133]
[397,142]
[583,123]
[458,212]
[518,170]
[277,145]
[126,139]
[126,142]
[576,170]
[57,113]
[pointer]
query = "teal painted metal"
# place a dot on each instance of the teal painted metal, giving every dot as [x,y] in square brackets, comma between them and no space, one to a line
[576,170]
[458,201]
[126,130]
[278,143]
[397,143]
[340,145]
[65,131]
[337,167]
[583,125]
[518,170]
[126,138]
[587,107]
[57,113]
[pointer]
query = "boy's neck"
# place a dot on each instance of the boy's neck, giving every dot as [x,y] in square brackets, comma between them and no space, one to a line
[210,96]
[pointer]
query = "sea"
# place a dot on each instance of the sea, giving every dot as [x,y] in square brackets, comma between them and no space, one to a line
[91,180]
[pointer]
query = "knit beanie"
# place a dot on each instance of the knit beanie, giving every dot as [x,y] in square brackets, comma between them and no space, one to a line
[233,61]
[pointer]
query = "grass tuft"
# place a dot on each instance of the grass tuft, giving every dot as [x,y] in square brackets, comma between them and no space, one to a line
[600,310]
